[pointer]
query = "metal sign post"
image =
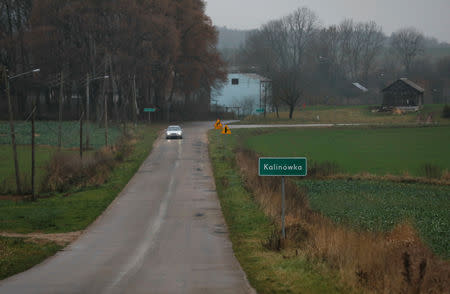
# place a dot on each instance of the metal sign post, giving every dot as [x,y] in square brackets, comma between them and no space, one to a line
[282,167]
[283,208]
[149,111]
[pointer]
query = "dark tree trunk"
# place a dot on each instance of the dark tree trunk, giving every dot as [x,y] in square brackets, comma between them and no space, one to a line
[291,111]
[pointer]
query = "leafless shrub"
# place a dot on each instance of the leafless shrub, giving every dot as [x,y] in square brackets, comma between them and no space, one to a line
[67,170]
[123,148]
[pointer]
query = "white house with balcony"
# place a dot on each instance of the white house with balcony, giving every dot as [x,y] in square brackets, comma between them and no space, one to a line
[243,93]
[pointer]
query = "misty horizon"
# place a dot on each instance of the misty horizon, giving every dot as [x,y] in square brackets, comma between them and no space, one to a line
[431,20]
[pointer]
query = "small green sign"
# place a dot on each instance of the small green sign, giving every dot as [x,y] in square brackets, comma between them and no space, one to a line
[282,166]
[260,110]
[149,109]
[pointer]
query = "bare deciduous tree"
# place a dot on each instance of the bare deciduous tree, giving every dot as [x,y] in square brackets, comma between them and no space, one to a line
[408,44]
[359,45]
[280,49]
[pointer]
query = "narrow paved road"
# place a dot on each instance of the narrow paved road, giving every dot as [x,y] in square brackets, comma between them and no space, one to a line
[258,126]
[165,233]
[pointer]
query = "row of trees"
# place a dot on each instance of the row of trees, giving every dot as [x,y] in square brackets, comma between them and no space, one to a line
[304,59]
[156,53]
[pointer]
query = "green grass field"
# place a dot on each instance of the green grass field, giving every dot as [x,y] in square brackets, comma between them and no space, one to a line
[379,206]
[375,150]
[17,255]
[349,114]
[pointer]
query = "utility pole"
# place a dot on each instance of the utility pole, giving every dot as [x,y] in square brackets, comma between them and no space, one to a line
[61,91]
[105,105]
[33,132]
[13,133]
[81,135]
[135,112]
[87,111]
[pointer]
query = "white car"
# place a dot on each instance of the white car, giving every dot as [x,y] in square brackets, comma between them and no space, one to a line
[174,132]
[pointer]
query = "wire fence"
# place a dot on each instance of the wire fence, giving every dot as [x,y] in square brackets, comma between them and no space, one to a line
[46,141]
[47,134]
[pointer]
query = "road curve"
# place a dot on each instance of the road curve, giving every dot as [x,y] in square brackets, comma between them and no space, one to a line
[165,233]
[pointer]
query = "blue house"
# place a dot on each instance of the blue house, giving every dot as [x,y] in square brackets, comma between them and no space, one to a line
[243,93]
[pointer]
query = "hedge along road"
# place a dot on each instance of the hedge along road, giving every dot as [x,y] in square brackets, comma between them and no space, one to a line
[164,233]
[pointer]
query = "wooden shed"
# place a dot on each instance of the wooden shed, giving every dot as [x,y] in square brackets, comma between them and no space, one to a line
[403,94]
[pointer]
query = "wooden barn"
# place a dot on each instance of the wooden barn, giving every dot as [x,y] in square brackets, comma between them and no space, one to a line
[403,94]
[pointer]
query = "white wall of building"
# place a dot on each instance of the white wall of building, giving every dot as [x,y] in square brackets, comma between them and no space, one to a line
[244,94]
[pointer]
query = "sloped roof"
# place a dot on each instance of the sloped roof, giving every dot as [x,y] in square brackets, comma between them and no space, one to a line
[412,84]
[256,77]
[361,87]
[409,83]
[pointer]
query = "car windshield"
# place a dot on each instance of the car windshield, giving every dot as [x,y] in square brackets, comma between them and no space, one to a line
[173,128]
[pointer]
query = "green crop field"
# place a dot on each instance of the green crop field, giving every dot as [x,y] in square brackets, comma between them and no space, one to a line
[46,140]
[7,177]
[370,205]
[378,206]
[375,150]
[47,134]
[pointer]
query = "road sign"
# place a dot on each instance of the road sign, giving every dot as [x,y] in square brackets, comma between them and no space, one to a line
[218,125]
[282,166]
[149,109]
[260,110]
[226,130]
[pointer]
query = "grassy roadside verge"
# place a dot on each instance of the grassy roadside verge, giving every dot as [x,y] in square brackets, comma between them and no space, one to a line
[64,212]
[268,271]
[18,255]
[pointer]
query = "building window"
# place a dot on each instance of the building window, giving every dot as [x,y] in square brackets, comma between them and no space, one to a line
[235,81]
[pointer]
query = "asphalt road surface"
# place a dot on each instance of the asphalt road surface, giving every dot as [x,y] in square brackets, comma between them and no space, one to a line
[272,126]
[165,233]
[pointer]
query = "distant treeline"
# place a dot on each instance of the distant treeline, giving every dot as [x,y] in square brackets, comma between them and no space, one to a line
[126,54]
[313,64]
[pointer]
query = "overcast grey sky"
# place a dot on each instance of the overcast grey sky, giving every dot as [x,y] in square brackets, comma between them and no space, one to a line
[431,17]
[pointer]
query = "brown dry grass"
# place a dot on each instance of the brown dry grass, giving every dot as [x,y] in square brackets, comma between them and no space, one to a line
[66,170]
[405,178]
[393,262]
[59,238]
